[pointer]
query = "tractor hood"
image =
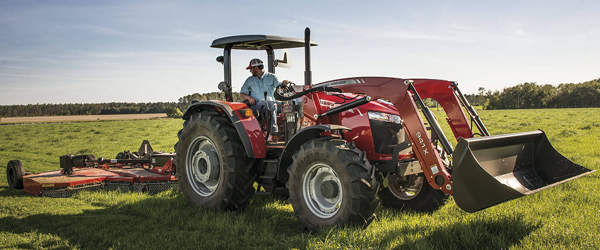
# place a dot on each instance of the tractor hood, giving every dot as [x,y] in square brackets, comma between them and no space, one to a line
[380,105]
[393,90]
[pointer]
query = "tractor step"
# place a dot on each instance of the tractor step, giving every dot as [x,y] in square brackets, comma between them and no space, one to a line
[267,179]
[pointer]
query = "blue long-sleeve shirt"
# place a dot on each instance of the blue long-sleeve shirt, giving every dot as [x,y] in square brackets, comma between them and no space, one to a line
[256,87]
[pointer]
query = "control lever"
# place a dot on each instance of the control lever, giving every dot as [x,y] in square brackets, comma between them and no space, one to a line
[268,116]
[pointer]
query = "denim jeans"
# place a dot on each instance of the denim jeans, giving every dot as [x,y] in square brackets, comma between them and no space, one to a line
[261,106]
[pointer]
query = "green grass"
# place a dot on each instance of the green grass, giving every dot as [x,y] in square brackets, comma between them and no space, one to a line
[563,217]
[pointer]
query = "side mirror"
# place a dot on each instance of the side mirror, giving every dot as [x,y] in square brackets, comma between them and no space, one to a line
[220,59]
[284,60]
[224,86]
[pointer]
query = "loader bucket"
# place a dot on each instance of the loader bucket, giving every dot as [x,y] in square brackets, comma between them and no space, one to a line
[494,169]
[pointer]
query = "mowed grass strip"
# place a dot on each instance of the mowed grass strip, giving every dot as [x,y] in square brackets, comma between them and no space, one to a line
[564,217]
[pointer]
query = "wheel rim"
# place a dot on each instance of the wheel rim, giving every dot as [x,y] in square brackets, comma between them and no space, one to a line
[202,166]
[405,189]
[322,190]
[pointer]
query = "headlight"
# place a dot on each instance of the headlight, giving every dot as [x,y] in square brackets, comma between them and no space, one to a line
[384,117]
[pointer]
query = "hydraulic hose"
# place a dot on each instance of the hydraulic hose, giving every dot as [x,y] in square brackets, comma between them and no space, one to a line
[346,106]
[435,126]
[319,88]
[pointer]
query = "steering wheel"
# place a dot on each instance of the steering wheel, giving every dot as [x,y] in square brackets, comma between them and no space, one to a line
[285,91]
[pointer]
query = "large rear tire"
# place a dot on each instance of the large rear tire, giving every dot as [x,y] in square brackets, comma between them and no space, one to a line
[331,183]
[411,193]
[212,167]
[14,174]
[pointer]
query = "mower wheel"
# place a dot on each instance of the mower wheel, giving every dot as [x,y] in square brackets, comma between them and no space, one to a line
[411,192]
[212,167]
[14,174]
[332,183]
[120,155]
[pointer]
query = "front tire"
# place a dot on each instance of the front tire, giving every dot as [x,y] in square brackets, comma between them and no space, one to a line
[411,193]
[331,183]
[212,167]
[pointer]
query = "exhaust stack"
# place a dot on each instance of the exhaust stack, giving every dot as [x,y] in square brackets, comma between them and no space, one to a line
[307,72]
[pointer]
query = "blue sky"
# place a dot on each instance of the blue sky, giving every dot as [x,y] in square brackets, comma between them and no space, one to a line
[150,51]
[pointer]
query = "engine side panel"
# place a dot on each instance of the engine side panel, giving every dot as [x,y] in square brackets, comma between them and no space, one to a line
[378,145]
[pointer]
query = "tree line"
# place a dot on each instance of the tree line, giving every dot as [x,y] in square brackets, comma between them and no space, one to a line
[85,109]
[535,96]
[173,109]
[522,96]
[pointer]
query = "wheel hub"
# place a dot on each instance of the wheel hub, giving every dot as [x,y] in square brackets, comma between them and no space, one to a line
[406,187]
[329,189]
[205,165]
[322,190]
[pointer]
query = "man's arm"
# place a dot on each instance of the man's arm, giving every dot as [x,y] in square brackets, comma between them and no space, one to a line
[248,97]
[244,92]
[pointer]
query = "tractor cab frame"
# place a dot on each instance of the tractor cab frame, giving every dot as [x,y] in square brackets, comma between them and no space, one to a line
[267,43]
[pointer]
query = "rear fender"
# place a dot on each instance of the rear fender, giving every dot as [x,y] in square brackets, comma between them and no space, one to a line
[304,135]
[248,129]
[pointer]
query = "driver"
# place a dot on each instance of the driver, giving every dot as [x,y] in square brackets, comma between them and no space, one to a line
[258,86]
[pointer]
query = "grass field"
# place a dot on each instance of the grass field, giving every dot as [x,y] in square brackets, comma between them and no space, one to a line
[564,217]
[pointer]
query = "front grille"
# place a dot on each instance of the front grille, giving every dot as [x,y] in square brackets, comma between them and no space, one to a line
[386,135]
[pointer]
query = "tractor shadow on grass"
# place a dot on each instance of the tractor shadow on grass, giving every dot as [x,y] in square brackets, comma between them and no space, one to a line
[138,221]
[497,232]
[102,220]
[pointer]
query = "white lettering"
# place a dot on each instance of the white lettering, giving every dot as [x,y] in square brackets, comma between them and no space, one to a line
[345,82]
[425,152]
[326,103]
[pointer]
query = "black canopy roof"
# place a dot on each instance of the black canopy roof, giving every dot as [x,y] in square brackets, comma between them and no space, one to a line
[258,42]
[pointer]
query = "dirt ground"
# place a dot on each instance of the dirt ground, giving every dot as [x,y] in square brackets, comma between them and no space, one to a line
[11,120]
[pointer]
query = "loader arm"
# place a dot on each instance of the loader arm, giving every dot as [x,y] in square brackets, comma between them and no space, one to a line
[445,93]
[397,92]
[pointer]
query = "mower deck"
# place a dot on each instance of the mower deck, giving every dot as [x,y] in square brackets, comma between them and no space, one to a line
[146,171]
[57,184]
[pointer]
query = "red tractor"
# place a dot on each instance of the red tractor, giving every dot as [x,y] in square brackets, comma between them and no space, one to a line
[349,143]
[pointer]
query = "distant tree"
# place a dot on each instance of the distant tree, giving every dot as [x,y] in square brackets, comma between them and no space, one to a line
[481,100]
[174,112]
[186,101]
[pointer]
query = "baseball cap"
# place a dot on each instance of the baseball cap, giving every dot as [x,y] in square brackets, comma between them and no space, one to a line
[255,62]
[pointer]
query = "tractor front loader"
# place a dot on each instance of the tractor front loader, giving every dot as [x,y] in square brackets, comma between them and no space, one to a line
[350,143]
